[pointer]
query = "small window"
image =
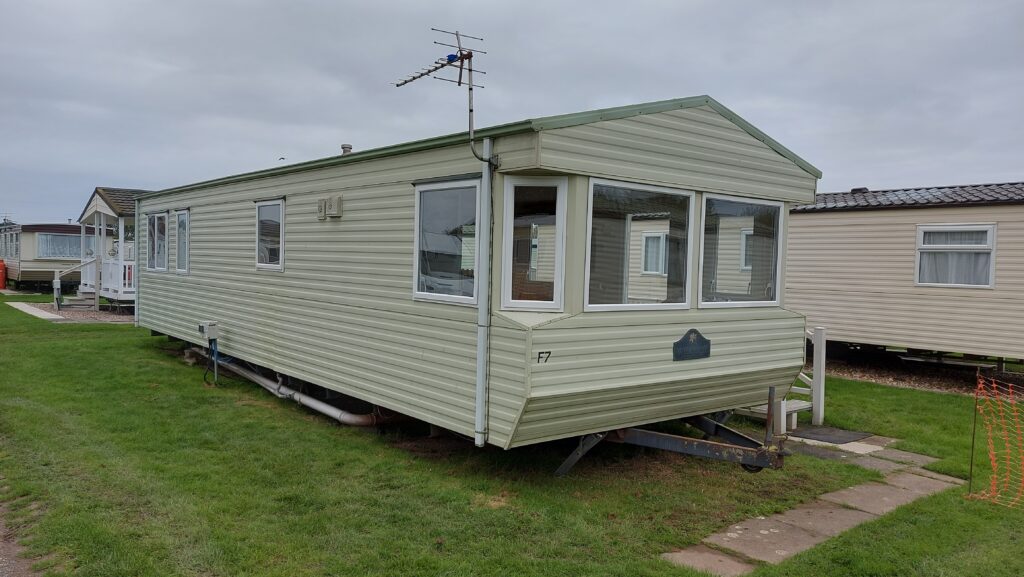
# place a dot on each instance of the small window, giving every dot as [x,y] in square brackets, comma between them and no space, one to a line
[59,246]
[746,248]
[182,237]
[446,255]
[655,257]
[740,260]
[534,233]
[270,235]
[956,255]
[156,258]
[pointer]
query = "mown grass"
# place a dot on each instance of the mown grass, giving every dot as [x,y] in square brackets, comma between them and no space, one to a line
[117,460]
[943,535]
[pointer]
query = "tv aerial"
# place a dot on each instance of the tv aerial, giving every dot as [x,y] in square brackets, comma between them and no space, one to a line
[461,59]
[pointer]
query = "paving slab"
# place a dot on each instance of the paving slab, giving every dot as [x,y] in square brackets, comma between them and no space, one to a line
[704,558]
[880,465]
[879,440]
[768,540]
[936,476]
[905,457]
[28,308]
[917,484]
[875,498]
[828,434]
[859,448]
[823,518]
[819,451]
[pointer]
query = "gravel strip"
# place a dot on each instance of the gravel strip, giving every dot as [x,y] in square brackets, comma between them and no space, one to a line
[87,316]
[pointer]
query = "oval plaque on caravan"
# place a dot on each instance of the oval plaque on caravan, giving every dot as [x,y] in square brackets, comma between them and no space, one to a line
[693,345]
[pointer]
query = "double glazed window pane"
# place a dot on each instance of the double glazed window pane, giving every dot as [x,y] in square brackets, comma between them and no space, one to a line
[955,267]
[182,236]
[269,226]
[638,246]
[741,251]
[447,241]
[534,243]
[157,242]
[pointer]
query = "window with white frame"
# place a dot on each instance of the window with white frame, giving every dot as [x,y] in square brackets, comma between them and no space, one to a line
[17,243]
[156,245]
[959,255]
[182,240]
[446,255]
[639,244]
[746,248]
[58,246]
[534,239]
[740,257]
[270,234]
[655,257]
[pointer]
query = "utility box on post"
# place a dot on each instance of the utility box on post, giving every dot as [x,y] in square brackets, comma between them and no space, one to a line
[209,330]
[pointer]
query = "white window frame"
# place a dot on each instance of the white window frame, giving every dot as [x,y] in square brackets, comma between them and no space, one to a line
[663,243]
[435,297]
[744,234]
[779,247]
[150,222]
[561,184]
[188,242]
[279,267]
[990,247]
[691,228]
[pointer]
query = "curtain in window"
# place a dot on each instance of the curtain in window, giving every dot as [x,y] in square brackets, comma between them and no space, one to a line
[965,268]
[59,246]
[956,237]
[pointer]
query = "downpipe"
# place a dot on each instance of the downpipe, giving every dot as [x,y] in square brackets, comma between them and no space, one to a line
[282,391]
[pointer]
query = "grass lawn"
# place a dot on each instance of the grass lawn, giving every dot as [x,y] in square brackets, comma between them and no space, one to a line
[117,460]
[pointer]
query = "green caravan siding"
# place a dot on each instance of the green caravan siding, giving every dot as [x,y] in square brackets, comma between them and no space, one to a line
[614,369]
[509,344]
[693,148]
[341,314]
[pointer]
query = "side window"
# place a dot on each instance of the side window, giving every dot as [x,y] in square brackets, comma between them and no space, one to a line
[445,242]
[958,255]
[740,260]
[182,238]
[270,235]
[156,245]
[534,250]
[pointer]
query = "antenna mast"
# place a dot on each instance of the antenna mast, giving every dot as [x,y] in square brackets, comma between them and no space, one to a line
[462,59]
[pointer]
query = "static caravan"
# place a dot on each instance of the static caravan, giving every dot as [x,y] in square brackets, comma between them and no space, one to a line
[539,294]
[33,252]
[936,269]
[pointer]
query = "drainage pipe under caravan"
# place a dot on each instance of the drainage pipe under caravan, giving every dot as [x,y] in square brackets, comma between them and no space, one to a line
[279,390]
[483,287]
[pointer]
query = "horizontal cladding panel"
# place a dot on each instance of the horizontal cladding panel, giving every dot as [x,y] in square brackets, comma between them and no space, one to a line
[516,152]
[577,414]
[853,273]
[507,371]
[628,349]
[695,148]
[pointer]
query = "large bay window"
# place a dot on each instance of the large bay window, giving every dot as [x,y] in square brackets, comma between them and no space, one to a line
[446,255]
[638,248]
[59,246]
[740,261]
[957,255]
[534,243]
[156,247]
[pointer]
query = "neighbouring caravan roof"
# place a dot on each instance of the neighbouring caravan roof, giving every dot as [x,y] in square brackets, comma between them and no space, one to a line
[120,201]
[956,195]
[528,125]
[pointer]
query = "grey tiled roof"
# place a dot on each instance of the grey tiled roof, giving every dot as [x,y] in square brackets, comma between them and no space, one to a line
[961,195]
[121,200]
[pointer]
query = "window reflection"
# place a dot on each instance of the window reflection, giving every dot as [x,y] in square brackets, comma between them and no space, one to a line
[534,243]
[740,251]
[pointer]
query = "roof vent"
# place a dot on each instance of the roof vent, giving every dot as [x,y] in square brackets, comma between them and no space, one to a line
[860,189]
[346,149]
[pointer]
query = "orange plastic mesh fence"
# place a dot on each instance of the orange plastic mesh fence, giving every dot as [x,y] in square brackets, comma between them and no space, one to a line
[999,409]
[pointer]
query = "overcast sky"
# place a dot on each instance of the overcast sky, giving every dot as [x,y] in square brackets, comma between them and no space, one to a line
[153,94]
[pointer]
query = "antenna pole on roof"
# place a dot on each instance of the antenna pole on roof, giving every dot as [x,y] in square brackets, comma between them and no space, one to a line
[462,59]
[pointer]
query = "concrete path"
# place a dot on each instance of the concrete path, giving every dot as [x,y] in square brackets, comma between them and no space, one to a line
[28,308]
[737,550]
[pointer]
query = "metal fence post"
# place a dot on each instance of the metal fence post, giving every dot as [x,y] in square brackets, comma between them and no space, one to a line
[818,378]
